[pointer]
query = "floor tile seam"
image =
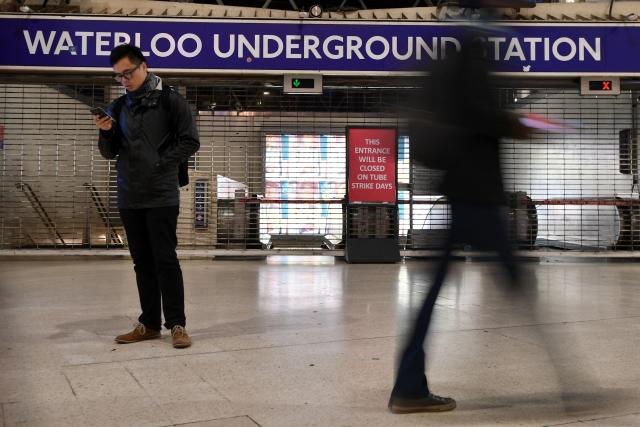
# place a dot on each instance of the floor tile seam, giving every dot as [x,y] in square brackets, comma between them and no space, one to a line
[593,419]
[209,420]
[207,383]
[75,396]
[204,353]
[73,391]
[526,325]
[150,396]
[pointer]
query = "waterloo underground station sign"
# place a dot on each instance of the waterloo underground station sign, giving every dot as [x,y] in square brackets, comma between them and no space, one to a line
[183,45]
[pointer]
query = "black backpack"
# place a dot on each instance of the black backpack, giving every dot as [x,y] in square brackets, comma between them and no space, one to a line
[165,102]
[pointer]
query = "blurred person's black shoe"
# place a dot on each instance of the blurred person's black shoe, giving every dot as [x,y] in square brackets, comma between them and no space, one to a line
[428,403]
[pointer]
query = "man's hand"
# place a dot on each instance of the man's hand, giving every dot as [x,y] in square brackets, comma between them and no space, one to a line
[103,123]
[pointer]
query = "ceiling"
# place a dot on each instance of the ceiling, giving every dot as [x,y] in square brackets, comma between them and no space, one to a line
[327,5]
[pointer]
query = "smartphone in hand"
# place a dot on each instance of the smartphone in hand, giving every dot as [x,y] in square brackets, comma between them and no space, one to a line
[101,112]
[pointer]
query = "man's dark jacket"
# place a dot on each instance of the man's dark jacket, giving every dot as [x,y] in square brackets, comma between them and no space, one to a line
[147,149]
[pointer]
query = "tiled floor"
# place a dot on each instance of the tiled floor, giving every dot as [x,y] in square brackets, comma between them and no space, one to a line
[312,342]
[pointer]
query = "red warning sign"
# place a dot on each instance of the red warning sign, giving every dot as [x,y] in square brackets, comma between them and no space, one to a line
[372,157]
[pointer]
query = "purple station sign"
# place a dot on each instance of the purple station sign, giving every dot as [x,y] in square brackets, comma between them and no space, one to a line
[39,42]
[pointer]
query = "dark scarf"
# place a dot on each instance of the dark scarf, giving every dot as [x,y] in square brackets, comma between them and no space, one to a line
[150,83]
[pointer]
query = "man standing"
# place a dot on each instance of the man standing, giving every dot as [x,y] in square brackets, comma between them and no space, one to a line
[152,132]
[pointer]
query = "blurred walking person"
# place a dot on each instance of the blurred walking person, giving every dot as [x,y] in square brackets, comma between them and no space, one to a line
[462,138]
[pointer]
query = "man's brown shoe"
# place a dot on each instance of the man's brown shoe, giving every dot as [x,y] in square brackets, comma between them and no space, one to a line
[139,333]
[180,337]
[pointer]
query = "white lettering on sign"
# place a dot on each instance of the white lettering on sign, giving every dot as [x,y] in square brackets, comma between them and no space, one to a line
[216,46]
[533,43]
[121,38]
[293,42]
[311,44]
[266,53]
[306,46]
[243,43]
[65,43]
[184,52]
[396,52]
[430,50]
[154,45]
[102,43]
[372,150]
[362,185]
[382,42]
[372,165]
[337,51]
[38,42]
[444,41]
[515,49]
[354,44]
[567,42]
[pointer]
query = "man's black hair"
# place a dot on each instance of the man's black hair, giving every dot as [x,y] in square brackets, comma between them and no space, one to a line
[127,50]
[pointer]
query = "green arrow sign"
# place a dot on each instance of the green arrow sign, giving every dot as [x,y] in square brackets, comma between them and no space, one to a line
[300,84]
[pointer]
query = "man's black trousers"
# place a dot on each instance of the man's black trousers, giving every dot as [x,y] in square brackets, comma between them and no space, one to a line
[151,234]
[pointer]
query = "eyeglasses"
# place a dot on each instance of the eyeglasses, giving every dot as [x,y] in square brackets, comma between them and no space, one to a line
[126,74]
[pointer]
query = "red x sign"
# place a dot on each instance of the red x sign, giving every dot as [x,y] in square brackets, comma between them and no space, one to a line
[606,85]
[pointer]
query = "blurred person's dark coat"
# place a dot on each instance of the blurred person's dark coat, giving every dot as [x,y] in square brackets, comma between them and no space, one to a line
[466,123]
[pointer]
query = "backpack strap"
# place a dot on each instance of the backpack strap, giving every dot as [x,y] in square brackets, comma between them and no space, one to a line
[116,109]
[168,106]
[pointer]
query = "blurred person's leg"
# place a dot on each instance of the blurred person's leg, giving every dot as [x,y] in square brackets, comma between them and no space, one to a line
[411,391]
[496,225]
[578,387]
[411,380]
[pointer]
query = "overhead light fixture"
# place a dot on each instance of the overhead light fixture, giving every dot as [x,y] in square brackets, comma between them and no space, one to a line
[266,92]
[315,11]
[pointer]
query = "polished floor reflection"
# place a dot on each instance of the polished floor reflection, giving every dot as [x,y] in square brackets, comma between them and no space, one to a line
[312,342]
